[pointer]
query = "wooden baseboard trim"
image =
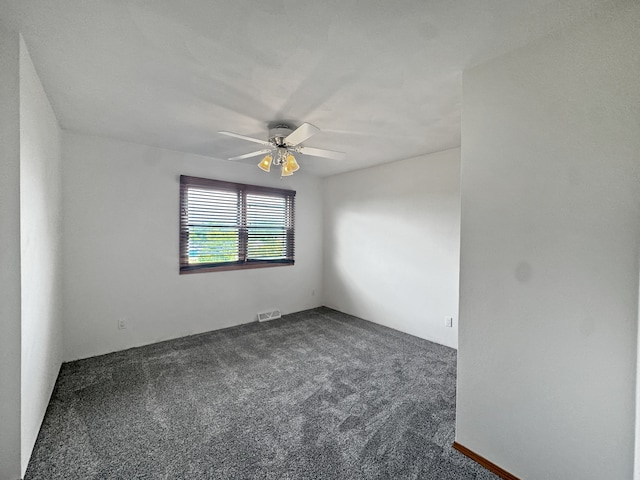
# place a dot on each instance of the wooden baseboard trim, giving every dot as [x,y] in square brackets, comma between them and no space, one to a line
[492,467]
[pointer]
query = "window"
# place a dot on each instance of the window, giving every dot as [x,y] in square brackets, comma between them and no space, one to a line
[229,226]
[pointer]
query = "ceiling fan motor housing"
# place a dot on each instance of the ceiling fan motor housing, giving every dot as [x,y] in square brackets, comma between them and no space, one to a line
[278,133]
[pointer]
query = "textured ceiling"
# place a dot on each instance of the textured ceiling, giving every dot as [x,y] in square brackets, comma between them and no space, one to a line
[380,78]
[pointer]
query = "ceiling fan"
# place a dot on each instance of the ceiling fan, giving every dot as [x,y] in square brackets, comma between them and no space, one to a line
[282,143]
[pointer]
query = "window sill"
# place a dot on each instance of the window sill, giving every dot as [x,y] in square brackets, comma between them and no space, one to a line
[226,268]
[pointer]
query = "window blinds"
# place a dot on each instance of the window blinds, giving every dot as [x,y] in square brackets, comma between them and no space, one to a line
[225,225]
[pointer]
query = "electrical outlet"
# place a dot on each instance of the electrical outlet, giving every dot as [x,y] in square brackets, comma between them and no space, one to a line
[122,323]
[448,321]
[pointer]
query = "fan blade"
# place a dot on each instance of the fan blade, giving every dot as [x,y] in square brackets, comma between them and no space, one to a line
[243,137]
[252,154]
[319,152]
[300,134]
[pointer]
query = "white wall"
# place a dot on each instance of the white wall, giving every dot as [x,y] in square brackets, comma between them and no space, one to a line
[120,227]
[391,247]
[636,461]
[9,255]
[550,237]
[40,230]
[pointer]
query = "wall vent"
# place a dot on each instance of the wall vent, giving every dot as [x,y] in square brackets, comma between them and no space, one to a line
[270,315]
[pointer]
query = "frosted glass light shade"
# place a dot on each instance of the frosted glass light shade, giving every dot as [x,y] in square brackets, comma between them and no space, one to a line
[285,170]
[291,164]
[265,164]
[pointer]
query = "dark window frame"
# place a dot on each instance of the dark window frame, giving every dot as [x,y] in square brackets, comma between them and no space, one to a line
[242,190]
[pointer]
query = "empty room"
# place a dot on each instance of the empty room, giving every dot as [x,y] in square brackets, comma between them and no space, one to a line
[319,240]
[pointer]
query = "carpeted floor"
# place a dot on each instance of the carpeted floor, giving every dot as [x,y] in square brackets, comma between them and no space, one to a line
[315,395]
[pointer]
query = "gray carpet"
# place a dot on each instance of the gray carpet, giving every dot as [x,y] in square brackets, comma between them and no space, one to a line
[317,394]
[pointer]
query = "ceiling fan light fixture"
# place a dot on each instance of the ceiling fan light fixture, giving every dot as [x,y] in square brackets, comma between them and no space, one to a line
[281,159]
[265,164]
[291,163]
[282,143]
[285,172]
